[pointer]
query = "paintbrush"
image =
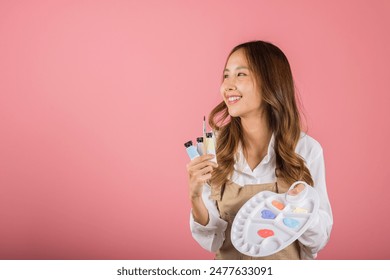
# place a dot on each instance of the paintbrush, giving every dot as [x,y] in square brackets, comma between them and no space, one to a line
[204,136]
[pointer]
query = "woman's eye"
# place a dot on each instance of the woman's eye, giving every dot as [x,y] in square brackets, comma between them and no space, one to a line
[225,76]
[241,74]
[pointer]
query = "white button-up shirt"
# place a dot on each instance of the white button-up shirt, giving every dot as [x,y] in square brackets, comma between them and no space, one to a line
[211,236]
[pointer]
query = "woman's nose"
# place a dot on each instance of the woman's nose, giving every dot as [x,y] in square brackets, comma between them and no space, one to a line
[230,87]
[229,84]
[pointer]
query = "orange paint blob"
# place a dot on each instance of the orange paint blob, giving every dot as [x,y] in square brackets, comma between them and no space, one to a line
[278,204]
[265,233]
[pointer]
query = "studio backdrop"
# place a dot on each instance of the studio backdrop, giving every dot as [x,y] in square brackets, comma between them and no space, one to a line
[97,98]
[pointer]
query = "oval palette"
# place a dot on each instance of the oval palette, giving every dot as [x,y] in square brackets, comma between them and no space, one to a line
[269,222]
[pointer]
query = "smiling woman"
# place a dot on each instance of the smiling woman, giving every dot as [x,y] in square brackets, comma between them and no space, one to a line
[260,146]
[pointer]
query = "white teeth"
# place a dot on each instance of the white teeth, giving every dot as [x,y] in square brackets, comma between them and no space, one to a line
[234,98]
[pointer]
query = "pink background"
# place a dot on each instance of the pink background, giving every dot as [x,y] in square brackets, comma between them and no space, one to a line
[98,97]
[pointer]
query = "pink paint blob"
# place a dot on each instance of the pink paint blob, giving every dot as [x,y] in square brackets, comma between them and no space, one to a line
[265,233]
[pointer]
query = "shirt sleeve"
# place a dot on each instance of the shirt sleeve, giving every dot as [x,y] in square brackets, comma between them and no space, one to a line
[211,236]
[317,235]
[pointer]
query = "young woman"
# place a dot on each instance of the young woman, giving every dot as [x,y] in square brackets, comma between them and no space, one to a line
[260,146]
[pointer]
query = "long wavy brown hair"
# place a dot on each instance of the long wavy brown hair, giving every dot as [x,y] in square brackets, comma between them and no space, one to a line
[273,75]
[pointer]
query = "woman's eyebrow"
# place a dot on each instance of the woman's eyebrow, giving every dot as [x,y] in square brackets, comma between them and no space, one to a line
[238,68]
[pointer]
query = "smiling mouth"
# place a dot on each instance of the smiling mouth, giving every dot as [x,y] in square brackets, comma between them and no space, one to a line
[233,99]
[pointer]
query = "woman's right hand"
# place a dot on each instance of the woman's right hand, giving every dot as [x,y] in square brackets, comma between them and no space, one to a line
[199,172]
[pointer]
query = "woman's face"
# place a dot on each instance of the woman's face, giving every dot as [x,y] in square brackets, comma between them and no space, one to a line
[239,89]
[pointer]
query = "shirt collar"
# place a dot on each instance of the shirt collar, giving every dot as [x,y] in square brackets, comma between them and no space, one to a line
[241,163]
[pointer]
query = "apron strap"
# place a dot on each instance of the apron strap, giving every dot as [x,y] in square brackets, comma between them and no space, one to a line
[216,192]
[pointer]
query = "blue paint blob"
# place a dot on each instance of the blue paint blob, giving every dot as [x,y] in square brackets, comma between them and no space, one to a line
[291,222]
[267,214]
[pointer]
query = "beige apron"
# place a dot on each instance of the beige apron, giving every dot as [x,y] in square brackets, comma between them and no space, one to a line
[229,200]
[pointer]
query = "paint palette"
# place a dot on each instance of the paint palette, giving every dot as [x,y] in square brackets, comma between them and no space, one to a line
[269,222]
